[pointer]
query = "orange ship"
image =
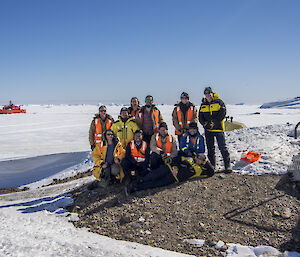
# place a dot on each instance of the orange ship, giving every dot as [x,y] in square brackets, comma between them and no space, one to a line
[11,108]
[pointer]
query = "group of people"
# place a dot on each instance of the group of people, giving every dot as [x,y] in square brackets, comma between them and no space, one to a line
[138,149]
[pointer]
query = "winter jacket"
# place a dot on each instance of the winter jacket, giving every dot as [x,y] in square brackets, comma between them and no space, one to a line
[99,155]
[186,145]
[138,154]
[93,134]
[156,118]
[156,139]
[187,168]
[134,113]
[211,115]
[124,131]
[182,120]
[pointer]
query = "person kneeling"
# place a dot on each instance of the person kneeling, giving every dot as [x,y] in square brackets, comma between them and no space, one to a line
[107,157]
[182,168]
[137,156]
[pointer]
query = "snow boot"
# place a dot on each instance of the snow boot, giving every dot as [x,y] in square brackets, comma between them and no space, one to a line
[228,167]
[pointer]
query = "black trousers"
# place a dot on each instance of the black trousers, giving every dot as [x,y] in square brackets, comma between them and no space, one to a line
[159,177]
[210,143]
[155,161]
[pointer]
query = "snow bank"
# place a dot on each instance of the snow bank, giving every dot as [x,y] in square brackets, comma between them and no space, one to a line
[290,103]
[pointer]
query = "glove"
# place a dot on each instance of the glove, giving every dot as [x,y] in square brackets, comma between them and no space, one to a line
[93,147]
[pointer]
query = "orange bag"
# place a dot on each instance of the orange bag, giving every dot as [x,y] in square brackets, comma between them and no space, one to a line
[251,157]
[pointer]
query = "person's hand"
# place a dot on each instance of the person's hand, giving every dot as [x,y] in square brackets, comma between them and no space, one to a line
[104,166]
[175,171]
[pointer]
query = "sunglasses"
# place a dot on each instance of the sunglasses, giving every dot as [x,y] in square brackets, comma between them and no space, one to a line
[207,93]
[103,111]
[109,134]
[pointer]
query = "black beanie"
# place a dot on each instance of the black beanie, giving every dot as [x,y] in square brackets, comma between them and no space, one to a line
[193,125]
[208,89]
[163,125]
[184,94]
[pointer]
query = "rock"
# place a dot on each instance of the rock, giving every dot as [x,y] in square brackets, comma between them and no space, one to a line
[136,226]
[276,213]
[287,213]
[124,220]
[219,245]
[222,176]
[195,242]
[224,248]
[201,227]
[141,219]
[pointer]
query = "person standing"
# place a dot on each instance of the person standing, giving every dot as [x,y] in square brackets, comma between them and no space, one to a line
[211,116]
[134,108]
[100,123]
[149,119]
[183,114]
[124,127]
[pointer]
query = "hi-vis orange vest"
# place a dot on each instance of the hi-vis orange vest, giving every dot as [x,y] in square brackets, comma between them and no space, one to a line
[156,118]
[190,114]
[168,147]
[99,131]
[138,155]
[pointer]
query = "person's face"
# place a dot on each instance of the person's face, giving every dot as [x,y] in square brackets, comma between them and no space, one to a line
[184,100]
[163,131]
[134,102]
[198,161]
[138,137]
[109,136]
[149,101]
[102,112]
[124,114]
[193,131]
[208,96]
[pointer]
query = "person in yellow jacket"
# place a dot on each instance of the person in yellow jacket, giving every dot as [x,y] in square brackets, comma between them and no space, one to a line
[181,169]
[107,156]
[149,119]
[100,123]
[183,114]
[211,115]
[125,127]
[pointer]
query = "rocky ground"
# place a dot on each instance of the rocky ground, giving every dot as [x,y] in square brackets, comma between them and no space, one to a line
[250,210]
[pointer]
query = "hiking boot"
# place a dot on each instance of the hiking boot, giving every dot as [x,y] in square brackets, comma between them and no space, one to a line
[227,164]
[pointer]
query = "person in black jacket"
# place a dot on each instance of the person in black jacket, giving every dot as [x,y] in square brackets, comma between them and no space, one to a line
[182,168]
[211,115]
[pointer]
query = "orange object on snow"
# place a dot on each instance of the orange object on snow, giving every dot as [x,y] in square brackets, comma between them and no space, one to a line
[251,157]
[11,108]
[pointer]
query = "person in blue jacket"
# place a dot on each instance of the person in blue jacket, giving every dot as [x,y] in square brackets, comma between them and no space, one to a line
[192,143]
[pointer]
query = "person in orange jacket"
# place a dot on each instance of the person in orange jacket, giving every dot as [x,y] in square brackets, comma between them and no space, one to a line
[134,108]
[183,114]
[100,123]
[137,156]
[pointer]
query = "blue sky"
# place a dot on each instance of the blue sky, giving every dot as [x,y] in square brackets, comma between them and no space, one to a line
[69,51]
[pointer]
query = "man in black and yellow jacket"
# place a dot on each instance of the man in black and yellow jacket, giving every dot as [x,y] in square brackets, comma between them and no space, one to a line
[211,115]
[182,168]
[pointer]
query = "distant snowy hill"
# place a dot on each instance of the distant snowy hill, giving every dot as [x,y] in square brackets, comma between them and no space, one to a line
[290,103]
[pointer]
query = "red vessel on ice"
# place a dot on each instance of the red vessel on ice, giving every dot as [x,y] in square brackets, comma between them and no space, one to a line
[11,108]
